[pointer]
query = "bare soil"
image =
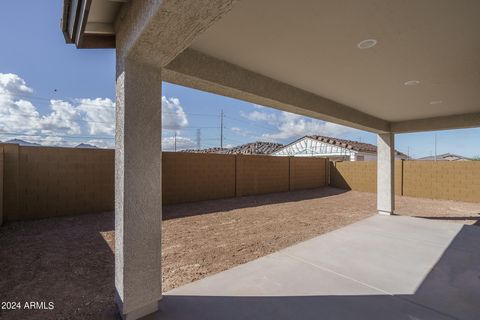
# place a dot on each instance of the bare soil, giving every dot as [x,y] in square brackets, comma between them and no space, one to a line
[70,260]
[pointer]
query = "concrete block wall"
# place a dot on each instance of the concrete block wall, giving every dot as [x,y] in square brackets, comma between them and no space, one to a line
[10,181]
[189,177]
[358,175]
[308,173]
[42,182]
[361,175]
[447,180]
[1,185]
[262,174]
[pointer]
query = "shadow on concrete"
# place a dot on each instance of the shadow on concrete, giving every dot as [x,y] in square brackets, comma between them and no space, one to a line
[469,218]
[223,205]
[450,290]
[366,307]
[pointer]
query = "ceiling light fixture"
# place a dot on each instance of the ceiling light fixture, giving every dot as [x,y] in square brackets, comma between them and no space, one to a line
[412,83]
[436,102]
[367,44]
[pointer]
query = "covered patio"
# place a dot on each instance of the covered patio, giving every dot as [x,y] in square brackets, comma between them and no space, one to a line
[377,66]
[379,268]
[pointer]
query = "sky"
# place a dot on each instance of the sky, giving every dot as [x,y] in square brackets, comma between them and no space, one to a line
[54,94]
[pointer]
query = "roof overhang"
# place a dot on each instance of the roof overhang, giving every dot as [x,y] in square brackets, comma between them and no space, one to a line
[90,23]
[306,57]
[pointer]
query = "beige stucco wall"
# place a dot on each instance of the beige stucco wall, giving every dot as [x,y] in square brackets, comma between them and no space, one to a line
[449,180]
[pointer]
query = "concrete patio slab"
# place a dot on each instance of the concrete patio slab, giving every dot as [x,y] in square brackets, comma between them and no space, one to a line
[383,267]
[393,254]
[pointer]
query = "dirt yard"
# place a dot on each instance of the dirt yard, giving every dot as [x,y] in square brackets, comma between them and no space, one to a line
[69,261]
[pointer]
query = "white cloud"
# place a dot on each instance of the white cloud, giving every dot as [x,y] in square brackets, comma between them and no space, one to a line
[168,143]
[268,117]
[290,125]
[101,143]
[173,116]
[260,107]
[16,112]
[62,119]
[99,114]
[293,126]
[12,84]
[90,120]
[242,132]
[68,123]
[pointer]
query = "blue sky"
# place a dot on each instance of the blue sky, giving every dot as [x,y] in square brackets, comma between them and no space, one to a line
[55,94]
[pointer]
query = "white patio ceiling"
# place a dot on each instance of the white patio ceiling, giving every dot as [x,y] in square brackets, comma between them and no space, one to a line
[313,45]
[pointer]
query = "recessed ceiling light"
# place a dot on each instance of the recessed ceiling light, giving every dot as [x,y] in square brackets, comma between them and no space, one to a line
[367,44]
[436,102]
[412,83]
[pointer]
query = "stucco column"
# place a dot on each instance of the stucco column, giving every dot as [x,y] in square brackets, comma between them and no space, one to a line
[385,173]
[138,196]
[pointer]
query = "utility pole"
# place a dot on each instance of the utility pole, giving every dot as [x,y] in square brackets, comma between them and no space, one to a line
[199,142]
[175,142]
[435,146]
[221,130]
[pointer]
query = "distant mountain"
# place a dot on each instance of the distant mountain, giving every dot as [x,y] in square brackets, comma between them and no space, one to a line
[86,146]
[22,143]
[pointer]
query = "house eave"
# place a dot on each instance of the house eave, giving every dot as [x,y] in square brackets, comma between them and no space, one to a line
[75,22]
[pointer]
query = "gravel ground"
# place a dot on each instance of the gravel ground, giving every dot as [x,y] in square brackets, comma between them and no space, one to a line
[70,260]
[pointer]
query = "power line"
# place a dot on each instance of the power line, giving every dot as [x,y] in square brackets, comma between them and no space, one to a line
[55,135]
[175,142]
[233,140]
[43,117]
[222,117]
[199,142]
[70,100]
[191,128]
[221,130]
[31,97]
[249,123]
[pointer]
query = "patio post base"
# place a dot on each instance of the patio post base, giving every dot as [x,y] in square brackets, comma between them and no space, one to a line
[386,213]
[139,312]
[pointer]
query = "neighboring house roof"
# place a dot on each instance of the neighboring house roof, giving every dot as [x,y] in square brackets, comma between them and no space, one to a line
[207,150]
[257,147]
[347,144]
[446,157]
